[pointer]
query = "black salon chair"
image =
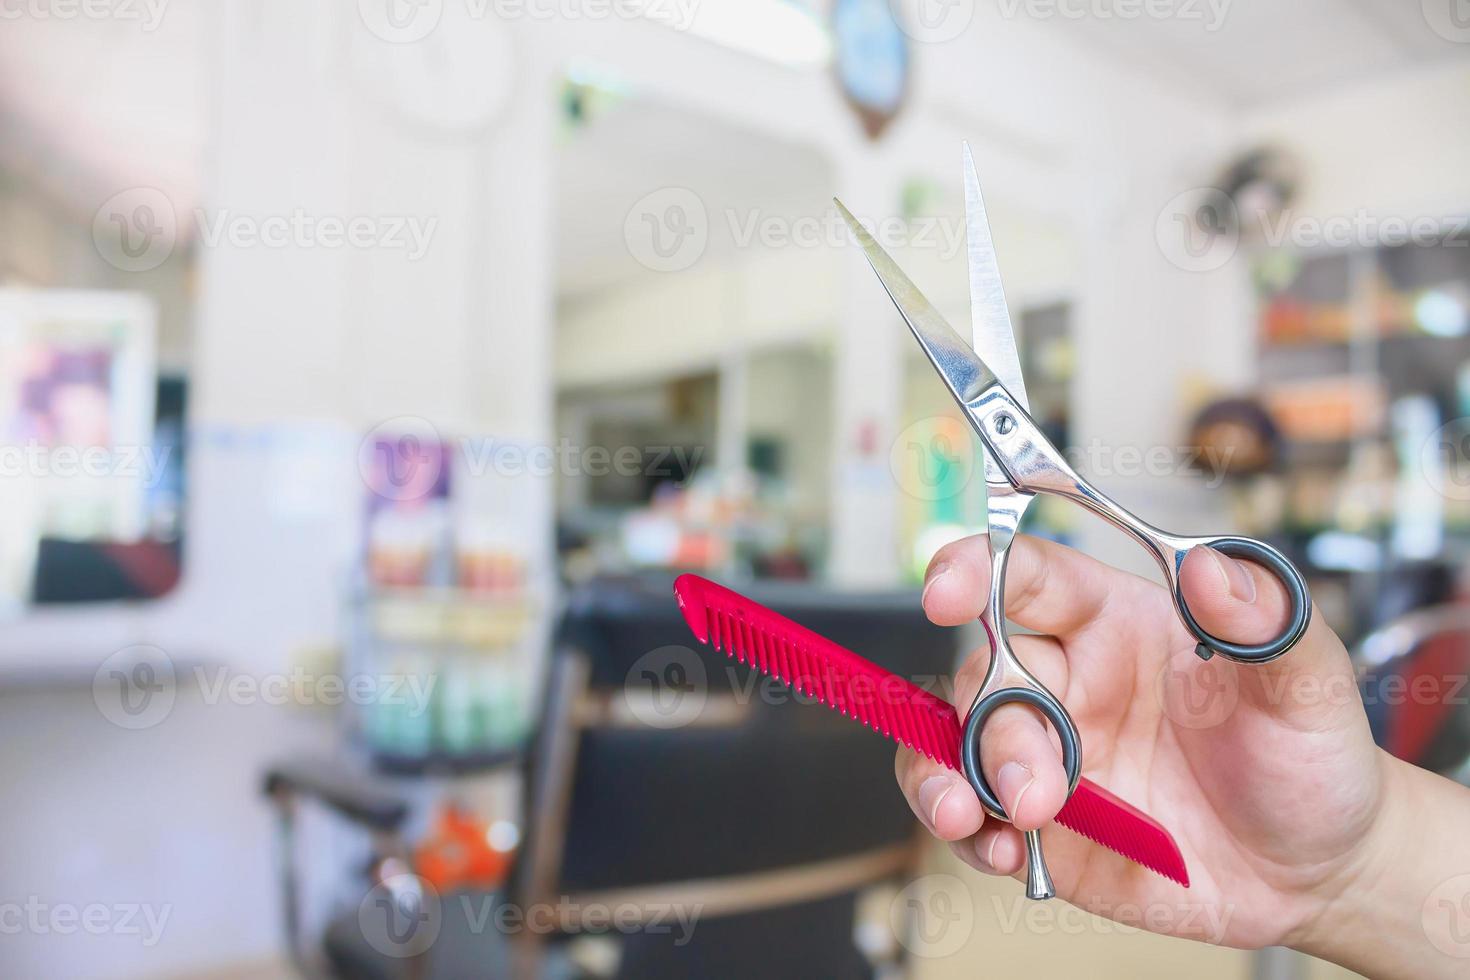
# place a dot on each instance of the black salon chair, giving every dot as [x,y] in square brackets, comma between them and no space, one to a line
[766,816]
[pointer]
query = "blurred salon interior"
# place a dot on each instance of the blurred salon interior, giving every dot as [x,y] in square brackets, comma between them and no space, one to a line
[370,368]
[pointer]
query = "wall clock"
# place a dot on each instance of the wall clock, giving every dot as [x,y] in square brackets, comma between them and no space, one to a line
[872,61]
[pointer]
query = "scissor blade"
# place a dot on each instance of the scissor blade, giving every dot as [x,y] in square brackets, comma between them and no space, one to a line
[990,318]
[963,371]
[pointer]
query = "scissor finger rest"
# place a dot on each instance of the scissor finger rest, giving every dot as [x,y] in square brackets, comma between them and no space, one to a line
[1284,571]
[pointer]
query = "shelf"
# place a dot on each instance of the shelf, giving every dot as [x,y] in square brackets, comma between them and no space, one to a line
[1335,345]
[448,617]
[446,594]
[442,763]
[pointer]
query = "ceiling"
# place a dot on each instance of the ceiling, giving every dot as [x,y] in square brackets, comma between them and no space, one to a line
[1260,52]
[1267,50]
[114,102]
[131,107]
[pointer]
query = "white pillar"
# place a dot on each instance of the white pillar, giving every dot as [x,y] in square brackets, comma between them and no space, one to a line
[867,391]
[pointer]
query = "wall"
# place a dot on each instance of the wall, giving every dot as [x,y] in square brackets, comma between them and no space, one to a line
[790,398]
[1390,146]
[758,299]
[299,350]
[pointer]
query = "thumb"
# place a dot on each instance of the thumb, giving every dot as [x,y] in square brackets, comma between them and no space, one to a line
[1242,602]
[1238,601]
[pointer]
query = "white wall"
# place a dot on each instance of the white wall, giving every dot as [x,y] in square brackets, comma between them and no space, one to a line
[1392,146]
[758,299]
[300,350]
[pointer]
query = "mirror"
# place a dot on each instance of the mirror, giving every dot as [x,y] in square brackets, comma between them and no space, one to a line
[696,299]
[96,271]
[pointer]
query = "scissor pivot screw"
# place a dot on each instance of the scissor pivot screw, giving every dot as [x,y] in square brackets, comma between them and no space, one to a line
[1004,424]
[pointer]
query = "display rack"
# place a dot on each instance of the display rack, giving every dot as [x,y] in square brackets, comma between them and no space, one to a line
[1365,367]
[474,656]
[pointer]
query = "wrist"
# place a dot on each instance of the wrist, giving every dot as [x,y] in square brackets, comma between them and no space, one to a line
[1371,914]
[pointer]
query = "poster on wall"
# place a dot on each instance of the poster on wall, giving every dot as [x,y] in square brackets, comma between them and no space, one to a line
[77,392]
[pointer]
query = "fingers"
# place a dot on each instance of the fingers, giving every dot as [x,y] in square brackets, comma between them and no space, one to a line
[1020,762]
[1238,601]
[1242,602]
[944,802]
[1023,766]
[1019,757]
[940,797]
[1049,588]
[998,849]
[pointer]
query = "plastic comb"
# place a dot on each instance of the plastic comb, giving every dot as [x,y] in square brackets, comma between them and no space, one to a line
[904,712]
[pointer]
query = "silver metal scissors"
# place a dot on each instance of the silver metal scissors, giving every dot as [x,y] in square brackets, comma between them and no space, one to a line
[1020,462]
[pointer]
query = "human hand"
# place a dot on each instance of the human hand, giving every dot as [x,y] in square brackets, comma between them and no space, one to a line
[1266,774]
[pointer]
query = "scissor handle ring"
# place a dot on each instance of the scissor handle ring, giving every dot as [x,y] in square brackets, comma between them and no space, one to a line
[1042,701]
[1296,590]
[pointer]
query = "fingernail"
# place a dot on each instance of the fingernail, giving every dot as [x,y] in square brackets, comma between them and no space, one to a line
[1239,581]
[940,570]
[1014,779]
[985,850]
[932,793]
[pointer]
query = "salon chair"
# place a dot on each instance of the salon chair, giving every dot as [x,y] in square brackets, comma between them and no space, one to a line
[1412,674]
[769,817]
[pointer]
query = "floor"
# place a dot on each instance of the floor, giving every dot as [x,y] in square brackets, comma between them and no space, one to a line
[1009,936]
[972,924]
[985,925]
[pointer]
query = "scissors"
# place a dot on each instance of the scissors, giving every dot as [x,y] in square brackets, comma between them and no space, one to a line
[1020,462]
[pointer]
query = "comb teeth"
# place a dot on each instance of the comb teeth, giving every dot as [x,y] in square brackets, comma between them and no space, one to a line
[904,712]
[819,668]
[1105,819]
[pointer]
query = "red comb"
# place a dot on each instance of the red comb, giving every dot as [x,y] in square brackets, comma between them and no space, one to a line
[906,713]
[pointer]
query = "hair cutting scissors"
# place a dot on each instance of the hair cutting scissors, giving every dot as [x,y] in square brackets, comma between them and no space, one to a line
[1020,462]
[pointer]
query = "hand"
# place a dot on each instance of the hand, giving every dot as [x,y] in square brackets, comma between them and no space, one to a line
[1267,775]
